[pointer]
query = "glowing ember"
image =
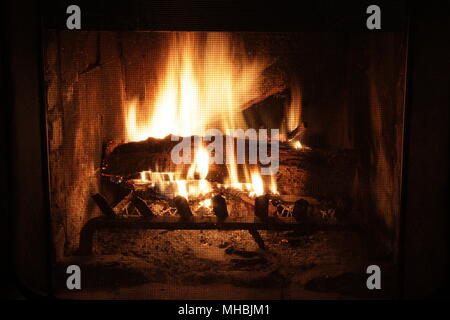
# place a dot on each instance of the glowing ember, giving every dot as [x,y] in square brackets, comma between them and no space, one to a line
[205,203]
[298,145]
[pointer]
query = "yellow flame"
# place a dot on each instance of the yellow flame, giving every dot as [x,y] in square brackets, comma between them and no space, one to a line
[202,84]
[257,183]
[294,109]
[200,165]
[205,203]
[181,188]
[273,185]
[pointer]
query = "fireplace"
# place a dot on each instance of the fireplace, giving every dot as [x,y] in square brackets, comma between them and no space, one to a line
[303,190]
[229,151]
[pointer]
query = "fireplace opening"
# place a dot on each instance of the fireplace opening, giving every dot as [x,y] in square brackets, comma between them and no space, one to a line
[225,164]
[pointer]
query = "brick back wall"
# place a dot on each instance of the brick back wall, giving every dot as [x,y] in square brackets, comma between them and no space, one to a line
[84,108]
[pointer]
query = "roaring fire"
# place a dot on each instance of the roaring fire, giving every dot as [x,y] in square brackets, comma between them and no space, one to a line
[203,83]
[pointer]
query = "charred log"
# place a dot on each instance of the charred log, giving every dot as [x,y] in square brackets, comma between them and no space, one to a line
[301,171]
[274,81]
[153,154]
[268,112]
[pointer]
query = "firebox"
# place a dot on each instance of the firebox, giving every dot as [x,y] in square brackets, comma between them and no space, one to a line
[246,164]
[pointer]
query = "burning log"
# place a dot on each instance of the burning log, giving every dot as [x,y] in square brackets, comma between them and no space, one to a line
[182,206]
[220,207]
[155,155]
[316,173]
[301,171]
[297,132]
[133,157]
[268,112]
[103,205]
[264,95]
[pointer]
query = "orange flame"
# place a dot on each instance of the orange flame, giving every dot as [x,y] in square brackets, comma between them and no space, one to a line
[257,183]
[203,84]
[204,81]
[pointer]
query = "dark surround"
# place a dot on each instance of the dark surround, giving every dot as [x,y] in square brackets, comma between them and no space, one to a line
[27,232]
[425,225]
[425,216]
[227,15]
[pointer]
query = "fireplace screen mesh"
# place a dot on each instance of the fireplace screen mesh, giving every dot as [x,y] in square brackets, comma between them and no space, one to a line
[166,148]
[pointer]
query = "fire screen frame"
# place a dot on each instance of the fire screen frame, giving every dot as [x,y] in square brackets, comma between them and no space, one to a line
[29,136]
